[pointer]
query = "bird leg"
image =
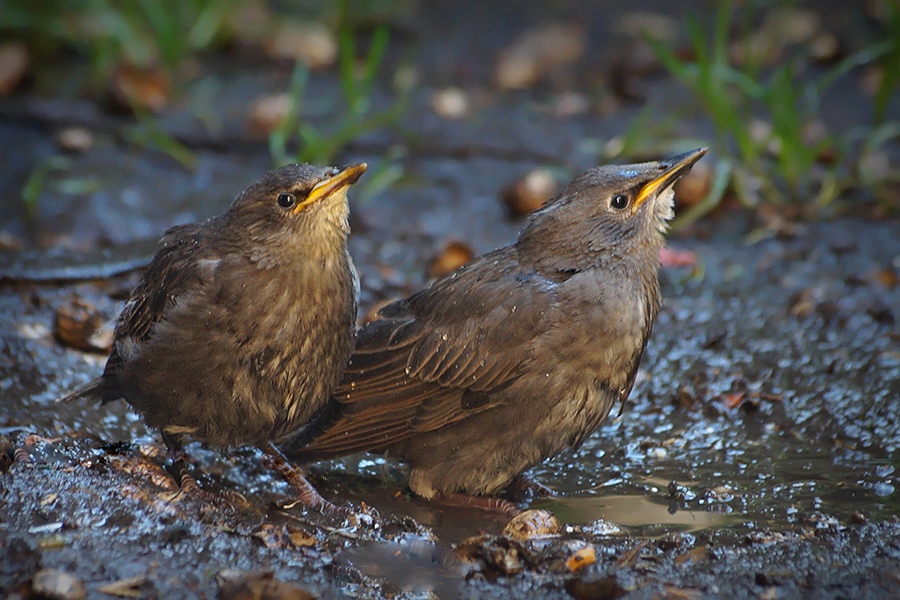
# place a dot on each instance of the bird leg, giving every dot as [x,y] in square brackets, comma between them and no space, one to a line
[185,480]
[488,503]
[306,493]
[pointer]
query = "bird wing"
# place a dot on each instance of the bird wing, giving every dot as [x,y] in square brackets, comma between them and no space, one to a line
[437,357]
[167,277]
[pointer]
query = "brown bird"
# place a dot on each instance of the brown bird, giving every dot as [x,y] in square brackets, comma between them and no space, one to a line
[516,356]
[242,324]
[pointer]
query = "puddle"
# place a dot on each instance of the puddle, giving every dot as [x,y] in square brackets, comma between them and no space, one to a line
[638,515]
[410,564]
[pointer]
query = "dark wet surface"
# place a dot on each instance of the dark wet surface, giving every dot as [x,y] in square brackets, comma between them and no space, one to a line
[759,448]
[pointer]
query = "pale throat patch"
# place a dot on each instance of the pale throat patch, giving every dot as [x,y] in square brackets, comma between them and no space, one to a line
[665,207]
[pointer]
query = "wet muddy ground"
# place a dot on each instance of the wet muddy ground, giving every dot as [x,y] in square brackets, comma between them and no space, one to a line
[757,456]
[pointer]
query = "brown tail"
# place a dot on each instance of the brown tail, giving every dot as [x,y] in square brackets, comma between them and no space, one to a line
[89,390]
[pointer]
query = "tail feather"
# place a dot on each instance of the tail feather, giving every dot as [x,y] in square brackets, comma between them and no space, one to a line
[292,444]
[89,390]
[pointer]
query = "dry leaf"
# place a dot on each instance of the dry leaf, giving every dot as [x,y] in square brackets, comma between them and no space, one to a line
[14,60]
[531,524]
[529,192]
[539,51]
[582,558]
[59,585]
[310,42]
[125,588]
[146,88]
[267,113]
[670,257]
[454,255]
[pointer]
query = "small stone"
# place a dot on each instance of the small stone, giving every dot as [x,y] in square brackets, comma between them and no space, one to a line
[14,61]
[570,104]
[529,192]
[657,453]
[310,42]
[532,524]
[267,113]
[75,139]
[58,585]
[825,47]
[454,255]
[450,103]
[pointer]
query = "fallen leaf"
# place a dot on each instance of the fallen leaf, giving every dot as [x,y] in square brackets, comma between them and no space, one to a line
[80,325]
[670,257]
[235,584]
[145,88]
[267,113]
[694,555]
[681,593]
[537,52]
[529,192]
[734,400]
[531,524]
[301,539]
[307,41]
[582,558]
[14,60]
[695,185]
[454,255]
[125,588]
[52,583]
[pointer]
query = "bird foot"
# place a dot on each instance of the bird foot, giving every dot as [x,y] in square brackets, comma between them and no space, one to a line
[488,503]
[307,495]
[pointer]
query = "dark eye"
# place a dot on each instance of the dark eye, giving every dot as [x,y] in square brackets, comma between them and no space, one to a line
[287,201]
[619,201]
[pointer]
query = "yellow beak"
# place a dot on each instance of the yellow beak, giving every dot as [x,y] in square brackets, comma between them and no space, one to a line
[325,188]
[673,169]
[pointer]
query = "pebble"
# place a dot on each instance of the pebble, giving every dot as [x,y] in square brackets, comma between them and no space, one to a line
[450,103]
[57,585]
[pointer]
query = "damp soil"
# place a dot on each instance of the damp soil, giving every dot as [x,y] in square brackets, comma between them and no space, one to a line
[756,457]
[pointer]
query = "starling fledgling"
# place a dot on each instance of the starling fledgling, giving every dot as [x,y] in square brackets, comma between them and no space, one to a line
[516,356]
[242,324]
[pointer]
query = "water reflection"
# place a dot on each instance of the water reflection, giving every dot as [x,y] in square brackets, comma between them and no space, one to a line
[642,515]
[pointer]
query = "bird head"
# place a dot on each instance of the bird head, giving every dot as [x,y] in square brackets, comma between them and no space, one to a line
[607,213]
[293,205]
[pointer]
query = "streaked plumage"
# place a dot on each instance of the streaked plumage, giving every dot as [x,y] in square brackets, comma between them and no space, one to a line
[517,355]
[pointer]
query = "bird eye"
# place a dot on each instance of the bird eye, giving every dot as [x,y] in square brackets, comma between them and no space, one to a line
[287,201]
[619,201]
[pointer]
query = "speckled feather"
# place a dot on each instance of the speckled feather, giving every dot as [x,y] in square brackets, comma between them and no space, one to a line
[514,357]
